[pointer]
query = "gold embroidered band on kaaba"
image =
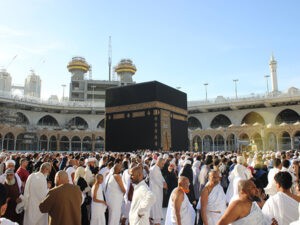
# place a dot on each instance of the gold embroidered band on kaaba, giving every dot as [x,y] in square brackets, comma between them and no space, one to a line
[146,105]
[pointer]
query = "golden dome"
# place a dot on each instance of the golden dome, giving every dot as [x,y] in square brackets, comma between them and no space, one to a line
[125,65]
[78,63]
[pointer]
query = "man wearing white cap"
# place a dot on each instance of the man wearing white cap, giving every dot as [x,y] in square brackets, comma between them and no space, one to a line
[165,156]
[278,154]
[10,164]
[13,196]
[89,176]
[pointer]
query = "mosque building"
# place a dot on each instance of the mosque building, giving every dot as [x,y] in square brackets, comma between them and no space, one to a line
[262,122]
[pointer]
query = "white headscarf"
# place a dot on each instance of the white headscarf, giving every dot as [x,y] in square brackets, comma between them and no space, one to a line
[10,161]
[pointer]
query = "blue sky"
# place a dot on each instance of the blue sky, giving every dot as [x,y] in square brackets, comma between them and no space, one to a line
[180,43]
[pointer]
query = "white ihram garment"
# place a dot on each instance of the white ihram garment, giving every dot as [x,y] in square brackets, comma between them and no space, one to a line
[4,221]
[196,172]
[98,209]
[35,192]
[89,177]
[235,188]
[126,203]
[142,201]
[156,182]
[203,177]
[298,221]
[281,207]
[255,217]
[187,212]
[114,198]
[104,172]
[271,187]
[238,171]
[216,205]
[70,170]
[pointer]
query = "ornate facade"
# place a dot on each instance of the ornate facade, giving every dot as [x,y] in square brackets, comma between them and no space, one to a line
[31,124]
[265,122]
[261,122]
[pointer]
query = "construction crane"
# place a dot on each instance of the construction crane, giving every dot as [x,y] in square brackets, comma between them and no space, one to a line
[10,62]
[39,63]
[109,58]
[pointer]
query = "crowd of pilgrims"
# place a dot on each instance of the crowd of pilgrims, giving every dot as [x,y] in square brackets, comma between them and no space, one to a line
[106,190]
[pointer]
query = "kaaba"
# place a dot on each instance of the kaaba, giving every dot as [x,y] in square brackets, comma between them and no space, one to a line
[148,115]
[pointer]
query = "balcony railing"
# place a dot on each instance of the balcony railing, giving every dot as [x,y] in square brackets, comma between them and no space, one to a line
[263,98]
[295,94]
[35,100]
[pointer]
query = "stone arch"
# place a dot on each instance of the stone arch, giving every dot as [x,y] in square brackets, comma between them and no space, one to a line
[244,136]
[101,124]
[252,118]
[76,144]
[219,143]
[87,143]
[288,116]
[77,123]
[22,119]
[197,143]
[220,121]
[207,143]
[194,123]
[99,143]
[48,121]
[64,143]
[9,141]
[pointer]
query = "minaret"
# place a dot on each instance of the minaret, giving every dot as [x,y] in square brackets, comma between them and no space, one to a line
[125,70]
[78,67]
[273,68]
[79,90]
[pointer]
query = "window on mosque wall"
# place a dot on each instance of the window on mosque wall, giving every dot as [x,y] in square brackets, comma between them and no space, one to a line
[194,123]
[252,118]
[220,121]
[287,116]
